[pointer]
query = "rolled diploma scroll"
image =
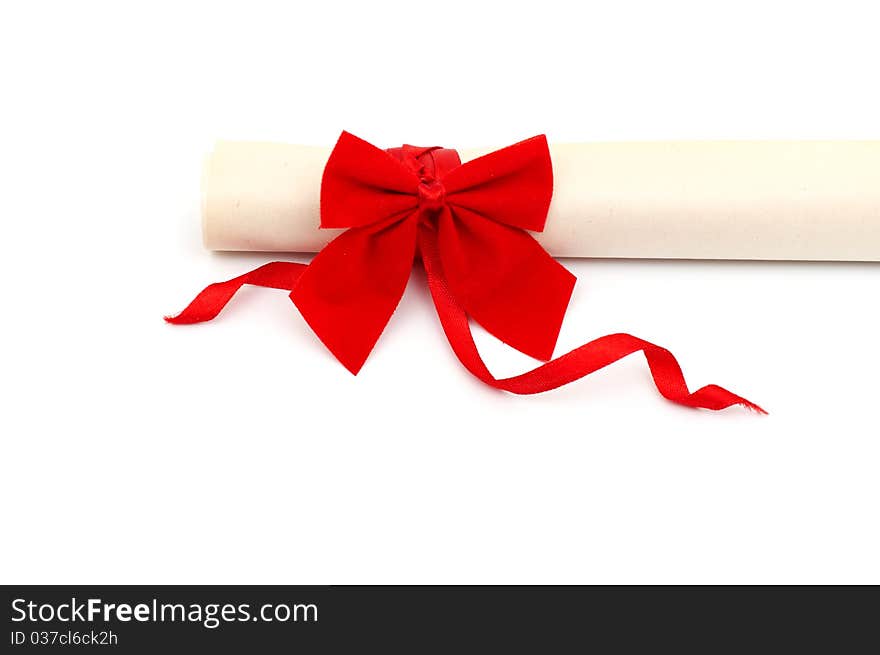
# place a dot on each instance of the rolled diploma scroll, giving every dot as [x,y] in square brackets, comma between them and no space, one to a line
[796,200]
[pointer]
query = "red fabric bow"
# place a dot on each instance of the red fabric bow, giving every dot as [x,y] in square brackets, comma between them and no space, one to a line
[467,222]
[476,214]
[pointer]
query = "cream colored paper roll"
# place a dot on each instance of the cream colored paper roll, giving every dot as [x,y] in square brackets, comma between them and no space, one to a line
[798,200]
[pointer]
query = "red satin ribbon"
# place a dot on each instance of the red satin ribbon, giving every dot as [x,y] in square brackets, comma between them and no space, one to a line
[467,223]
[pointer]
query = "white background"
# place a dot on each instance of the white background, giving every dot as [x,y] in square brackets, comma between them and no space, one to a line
[240,451]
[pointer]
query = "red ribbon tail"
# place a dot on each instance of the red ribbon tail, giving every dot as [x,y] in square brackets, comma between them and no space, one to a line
[572,366]
[210,302]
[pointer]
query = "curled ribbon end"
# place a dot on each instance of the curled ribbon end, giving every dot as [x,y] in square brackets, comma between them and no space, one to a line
[186,318]
[755,408]
[716,398]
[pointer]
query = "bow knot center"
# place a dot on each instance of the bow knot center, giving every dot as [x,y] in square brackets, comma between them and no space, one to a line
[432,195]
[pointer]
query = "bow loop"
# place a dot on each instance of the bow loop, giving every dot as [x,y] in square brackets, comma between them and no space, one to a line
[512,185]
[363,185]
